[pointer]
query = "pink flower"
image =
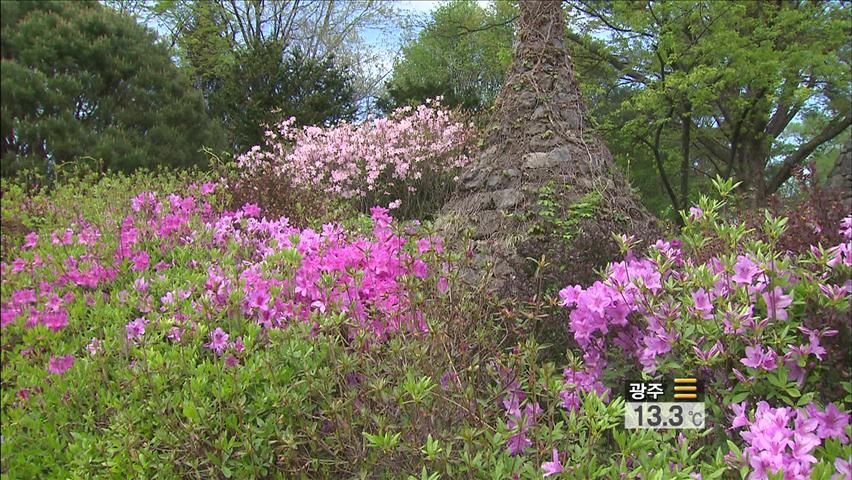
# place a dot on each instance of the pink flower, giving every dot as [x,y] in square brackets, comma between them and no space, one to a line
[140,260]
[56,320]
[744,270]
[832,423]
[518,442]
[702,303]
[843,468]
[175,334]
[23,394]
[443,285]
[740,417]
[135,328]
[208,188]
[846,227]
[569,295]
[94,346]
[420,269]
[18,265]
[776,302]
[141,285]
[553,467]
[695,213]
[251,210]
[31,240]
[59,365]
[218,341]
[756,358]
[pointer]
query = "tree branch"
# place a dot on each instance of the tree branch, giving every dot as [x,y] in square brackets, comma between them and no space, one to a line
[599,52]
[833,129]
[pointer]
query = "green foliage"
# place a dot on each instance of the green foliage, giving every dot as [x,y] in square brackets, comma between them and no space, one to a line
[261,88]
[462,55]
[260,79]
[80,80]
[565,224]
[690,90]
[315,401]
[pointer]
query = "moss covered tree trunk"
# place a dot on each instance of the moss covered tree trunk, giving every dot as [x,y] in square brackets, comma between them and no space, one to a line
[545,185]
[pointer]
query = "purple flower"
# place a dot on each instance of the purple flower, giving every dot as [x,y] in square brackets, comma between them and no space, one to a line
[218,341]
[56,320]
[175,334]
[756,358]
[518,443]
[776,302]
[832,422]
[740,418]
[702,303]
[238,345]
[744,270]
[136,328]
[443,285]
[94,346]
[59,365]
[843,468]
[251,210]
[569,295]
[695,213]
[140,260]
[554,467]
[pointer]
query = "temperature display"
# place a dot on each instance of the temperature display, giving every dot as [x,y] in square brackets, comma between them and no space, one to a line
[664,415]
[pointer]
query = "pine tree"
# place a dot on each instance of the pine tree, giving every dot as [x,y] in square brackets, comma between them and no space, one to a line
[80,80]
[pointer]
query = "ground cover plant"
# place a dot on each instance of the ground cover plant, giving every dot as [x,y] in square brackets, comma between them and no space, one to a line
[404,296]
[161,334]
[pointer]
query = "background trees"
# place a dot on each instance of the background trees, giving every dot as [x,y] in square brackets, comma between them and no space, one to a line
[262,86]
[462,54]
[81,80]
[258,61]
[745,90]
[681,91]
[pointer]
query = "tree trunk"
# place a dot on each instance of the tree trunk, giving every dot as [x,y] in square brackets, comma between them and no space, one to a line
[545,185]
[840,177]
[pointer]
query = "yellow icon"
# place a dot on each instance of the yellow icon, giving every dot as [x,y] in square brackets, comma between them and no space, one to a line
[686,385]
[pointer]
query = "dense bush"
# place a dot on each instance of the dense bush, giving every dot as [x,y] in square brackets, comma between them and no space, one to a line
[811,214]
[405,161]
[754,320]
[152,334]
[81,81]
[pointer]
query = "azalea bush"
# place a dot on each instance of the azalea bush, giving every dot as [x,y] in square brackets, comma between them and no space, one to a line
[768,331]
[100,316]
[406,160]
[151,330]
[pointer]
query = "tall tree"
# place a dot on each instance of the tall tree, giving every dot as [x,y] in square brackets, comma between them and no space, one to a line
[82,80]
[257,61]
[321,29]
[714,86]
[545,195]
[462,54]
[260,87]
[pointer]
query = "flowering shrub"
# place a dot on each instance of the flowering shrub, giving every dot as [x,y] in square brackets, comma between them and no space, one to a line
[176,276]
[750,321]
[405,160]
[153,332]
